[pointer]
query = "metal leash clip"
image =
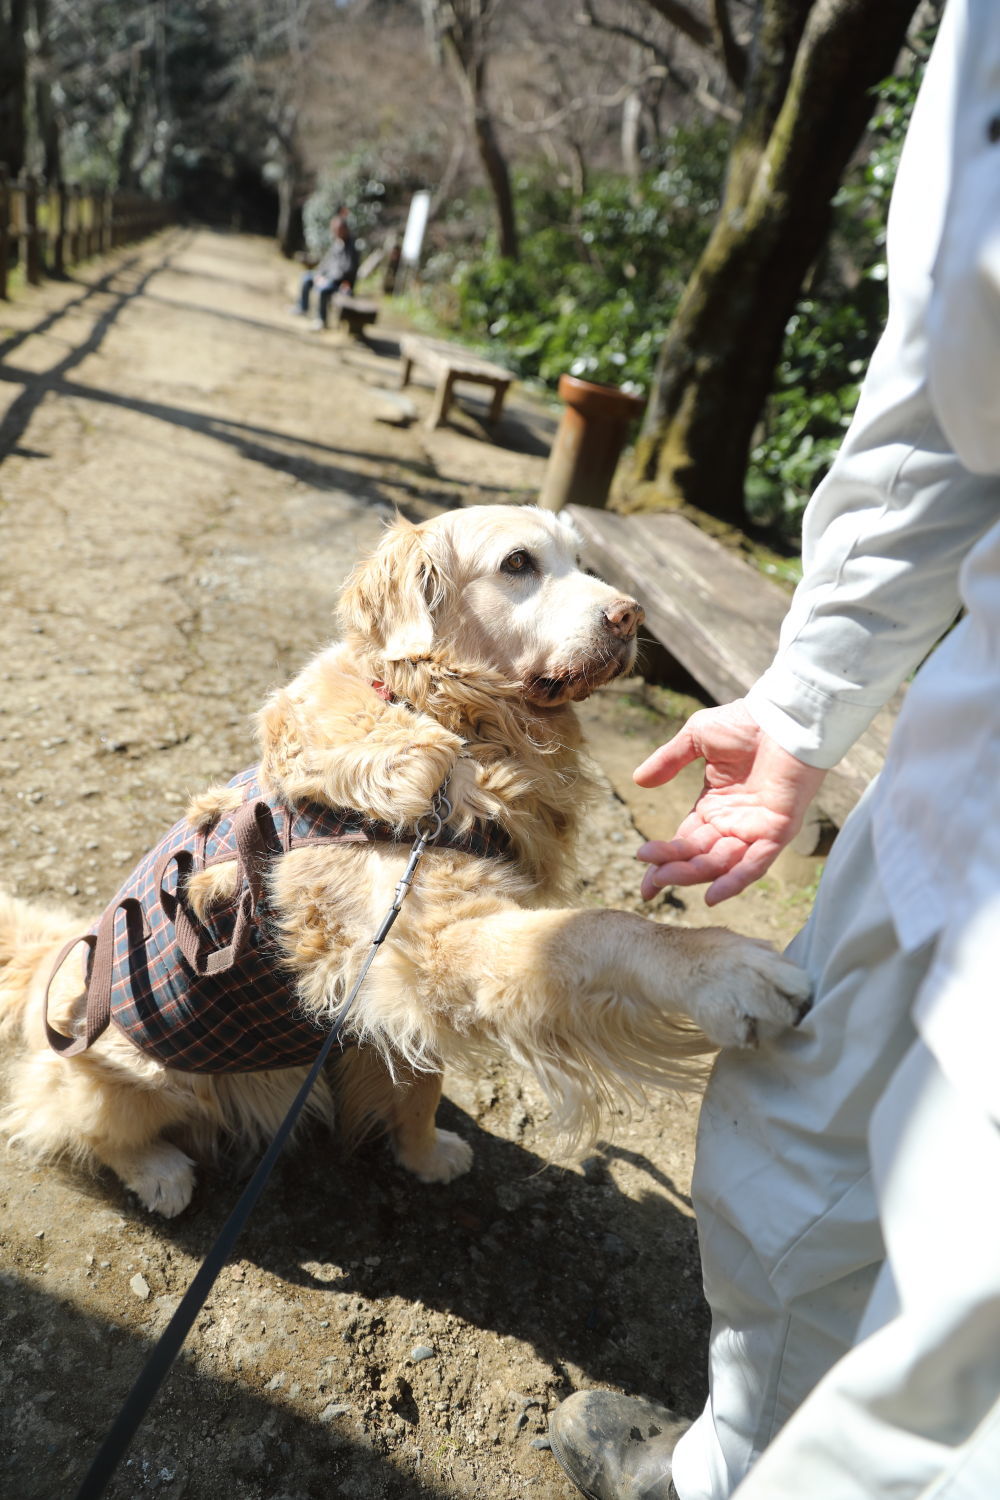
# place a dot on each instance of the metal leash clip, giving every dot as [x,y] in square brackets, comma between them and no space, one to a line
[429,827]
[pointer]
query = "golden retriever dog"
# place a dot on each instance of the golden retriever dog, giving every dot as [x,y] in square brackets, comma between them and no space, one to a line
[465,642]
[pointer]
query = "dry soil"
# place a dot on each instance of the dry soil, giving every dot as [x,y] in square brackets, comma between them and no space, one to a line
[187,473]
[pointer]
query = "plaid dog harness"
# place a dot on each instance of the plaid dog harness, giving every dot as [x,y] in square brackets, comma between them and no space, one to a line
[215,996]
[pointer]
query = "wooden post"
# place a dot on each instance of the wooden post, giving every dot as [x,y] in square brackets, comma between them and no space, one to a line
[4,229]
[32,248]
[92,237]
[58,240]
[74,235]
[107,221]
[589,440]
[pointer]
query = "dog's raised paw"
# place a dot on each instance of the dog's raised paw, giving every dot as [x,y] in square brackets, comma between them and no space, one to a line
[749,993]
[162,1179]
[447,1159]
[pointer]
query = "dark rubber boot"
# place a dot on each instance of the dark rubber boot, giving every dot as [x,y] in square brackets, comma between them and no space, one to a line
[616,1447]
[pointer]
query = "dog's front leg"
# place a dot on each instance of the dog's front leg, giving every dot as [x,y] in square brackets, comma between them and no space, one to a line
[601,1003]
[431,1154]
[403,1101]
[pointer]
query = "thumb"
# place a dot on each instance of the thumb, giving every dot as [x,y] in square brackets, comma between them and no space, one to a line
[664,764]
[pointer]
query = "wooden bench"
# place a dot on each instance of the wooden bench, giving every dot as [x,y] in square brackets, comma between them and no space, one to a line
[716,615]
[357,312]
[447,364]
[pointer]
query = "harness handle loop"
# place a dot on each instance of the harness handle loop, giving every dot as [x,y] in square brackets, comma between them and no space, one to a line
[99,978]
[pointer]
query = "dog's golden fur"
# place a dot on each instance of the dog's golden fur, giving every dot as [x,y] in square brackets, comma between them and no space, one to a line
[483,630]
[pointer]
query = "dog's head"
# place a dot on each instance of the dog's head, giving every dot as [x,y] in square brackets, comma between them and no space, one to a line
[500,587]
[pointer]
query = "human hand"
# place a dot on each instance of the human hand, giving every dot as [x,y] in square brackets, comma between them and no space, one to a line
[751,806]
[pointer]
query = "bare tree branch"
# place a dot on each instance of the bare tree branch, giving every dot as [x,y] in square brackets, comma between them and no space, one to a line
[694,26]
[733,55]
[666,67]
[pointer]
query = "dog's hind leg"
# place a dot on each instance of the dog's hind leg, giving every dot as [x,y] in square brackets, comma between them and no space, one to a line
[79,1111]
[403,1103]
[109,1107]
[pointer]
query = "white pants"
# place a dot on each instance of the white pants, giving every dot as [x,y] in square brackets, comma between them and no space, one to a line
[848,1204]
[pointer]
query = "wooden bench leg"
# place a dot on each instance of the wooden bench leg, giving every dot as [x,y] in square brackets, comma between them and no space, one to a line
[442,400]
[496,405]
[356,323]
[405,373]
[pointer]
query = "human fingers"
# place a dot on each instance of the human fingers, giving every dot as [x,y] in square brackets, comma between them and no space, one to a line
[756,861]
[701,869]
[664,763]
[687,843]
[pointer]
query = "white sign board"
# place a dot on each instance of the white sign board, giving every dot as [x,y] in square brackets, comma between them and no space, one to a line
[416,224]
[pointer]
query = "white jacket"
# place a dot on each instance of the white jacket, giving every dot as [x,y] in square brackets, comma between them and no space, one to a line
[902,535]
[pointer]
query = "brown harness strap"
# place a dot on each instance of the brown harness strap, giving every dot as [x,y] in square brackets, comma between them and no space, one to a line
[99,979]
[252,825]
[257,839]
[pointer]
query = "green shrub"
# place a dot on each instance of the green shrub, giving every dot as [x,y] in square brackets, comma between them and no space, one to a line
[598,278]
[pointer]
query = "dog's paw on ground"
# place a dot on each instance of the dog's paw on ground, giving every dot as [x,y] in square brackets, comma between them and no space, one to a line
[447,1159]
[163,1180]
[749,993]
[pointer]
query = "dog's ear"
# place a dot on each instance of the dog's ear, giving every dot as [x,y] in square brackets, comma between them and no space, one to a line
[392,598]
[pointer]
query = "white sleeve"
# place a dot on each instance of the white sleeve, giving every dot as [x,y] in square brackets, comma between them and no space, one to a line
[885,534]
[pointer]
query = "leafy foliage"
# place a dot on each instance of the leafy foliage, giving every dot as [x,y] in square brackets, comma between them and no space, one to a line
[374,183]
[598,282]
[598,279]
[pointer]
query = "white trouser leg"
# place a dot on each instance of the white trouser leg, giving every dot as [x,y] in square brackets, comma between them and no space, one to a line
[787,1220]
[913,1410]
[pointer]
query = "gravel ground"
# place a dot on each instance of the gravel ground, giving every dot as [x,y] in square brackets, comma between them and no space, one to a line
[186,476]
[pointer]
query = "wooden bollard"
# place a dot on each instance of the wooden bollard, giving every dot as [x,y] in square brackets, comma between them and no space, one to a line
[592,433]
[30,237]
[4,229]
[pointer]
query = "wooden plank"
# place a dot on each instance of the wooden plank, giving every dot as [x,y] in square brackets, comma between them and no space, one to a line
[438,356]
[717,616]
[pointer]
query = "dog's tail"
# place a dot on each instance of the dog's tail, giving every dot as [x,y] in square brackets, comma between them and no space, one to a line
[28,935]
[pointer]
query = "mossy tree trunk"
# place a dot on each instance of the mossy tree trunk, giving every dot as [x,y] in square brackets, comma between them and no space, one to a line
[808,98]
[13,83]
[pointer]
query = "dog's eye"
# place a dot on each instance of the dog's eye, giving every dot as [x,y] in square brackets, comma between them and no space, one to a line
[518,562]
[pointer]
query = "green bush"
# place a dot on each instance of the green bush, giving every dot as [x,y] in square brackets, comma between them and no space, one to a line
[598,278]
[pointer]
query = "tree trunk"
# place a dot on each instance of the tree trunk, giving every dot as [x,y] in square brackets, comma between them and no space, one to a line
[46,118]
[807,103]
[128,172]
[290,235]
[495,165]
[13,84]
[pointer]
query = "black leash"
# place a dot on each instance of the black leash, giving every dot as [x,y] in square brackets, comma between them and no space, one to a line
[155,1370]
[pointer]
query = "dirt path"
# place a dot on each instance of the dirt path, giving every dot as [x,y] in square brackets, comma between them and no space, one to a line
[186,476]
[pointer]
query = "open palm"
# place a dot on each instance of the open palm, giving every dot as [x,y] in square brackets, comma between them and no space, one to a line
[751,806]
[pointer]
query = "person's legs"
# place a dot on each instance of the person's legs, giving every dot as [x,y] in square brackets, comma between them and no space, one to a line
[326,293]
[305,288]
[914,1408]
[787,1219]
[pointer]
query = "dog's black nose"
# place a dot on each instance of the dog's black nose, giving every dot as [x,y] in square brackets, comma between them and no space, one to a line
[624,616]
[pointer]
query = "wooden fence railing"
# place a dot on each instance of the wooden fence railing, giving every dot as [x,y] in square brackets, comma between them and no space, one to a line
[46,227]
